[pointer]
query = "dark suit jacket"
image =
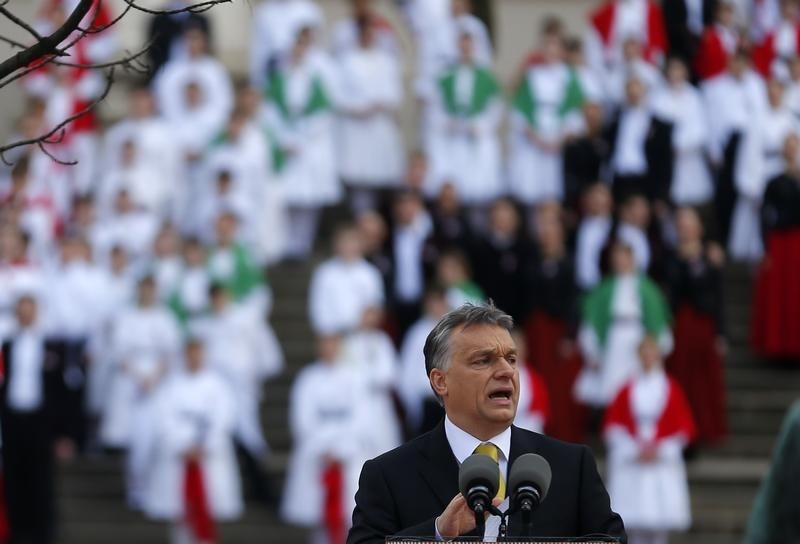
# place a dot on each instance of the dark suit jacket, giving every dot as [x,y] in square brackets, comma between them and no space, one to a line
[402,492]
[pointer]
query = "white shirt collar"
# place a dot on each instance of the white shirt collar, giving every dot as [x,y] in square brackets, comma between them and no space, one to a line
[463,444]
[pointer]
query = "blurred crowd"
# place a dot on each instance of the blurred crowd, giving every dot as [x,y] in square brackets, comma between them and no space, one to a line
[595,197]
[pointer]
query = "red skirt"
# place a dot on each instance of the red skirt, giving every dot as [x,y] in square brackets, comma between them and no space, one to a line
[543,336]
[775,327]
[334,514]
[697,366]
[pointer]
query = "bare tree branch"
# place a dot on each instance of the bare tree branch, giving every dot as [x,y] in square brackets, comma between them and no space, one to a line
[59,128]
[13,43]
[48,44]
[198,7]
[19,22]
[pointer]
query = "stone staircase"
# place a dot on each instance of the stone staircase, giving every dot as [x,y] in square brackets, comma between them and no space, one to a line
[723,480]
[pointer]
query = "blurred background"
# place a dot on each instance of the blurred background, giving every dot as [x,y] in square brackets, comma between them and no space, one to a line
[216,285]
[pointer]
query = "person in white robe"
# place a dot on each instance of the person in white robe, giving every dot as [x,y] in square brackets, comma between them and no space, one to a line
[345,33]
[244,350]
[18,274]
[190,298]
[760,159]
[151,137]
[646,430]
[166,261]
[117,294]
[632,66]
[274,22]
[466,111]
[144,342]
[546,109]
[195,96]
[343,286]
[370,351]
[243,151]
[331,433]
[200,67]
[370,147]
[231,263]
[148,187]
[733,101]
[193,432]
[130,226]
[301,95]
[592,234]
[423,411]
[680,103]
[616,316]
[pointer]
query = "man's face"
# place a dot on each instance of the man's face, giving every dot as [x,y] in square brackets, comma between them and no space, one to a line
[480,388]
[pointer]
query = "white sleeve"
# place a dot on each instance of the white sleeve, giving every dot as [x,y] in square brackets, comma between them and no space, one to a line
[691,132]
[621,445]
[321,311]
[671,448]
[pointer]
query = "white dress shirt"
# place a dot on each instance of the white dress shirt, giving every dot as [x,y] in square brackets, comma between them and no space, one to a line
[25,388]
[463,445]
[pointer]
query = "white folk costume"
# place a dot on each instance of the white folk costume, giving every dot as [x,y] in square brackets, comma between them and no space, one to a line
[143,345]
[691,182]
[372,354]
[617,77]
[340,291]
[732,105]
[274,22]
[195,410]
[300,102]
[464,147]
[546,104]
[616,316]
[243,350]
[616,20]
[195,126]
[760,160]
[534,401]
[134,230]
[344,37]
[717,45]
[651,411]
[370,148]
[591,238]
[155,149]
[149,189]
[190,297]
[234,267]
[414,385]
[330,431]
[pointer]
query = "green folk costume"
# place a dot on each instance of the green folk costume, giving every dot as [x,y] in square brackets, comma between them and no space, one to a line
[525,101]
[776,512]
[484,88]
[597,308]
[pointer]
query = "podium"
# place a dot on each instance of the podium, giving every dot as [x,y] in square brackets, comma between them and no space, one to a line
[512,540]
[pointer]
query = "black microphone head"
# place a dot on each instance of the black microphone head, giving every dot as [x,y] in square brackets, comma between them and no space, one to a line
[477,470]
[530,469]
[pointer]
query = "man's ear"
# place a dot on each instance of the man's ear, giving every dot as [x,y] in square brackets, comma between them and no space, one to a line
[438,382]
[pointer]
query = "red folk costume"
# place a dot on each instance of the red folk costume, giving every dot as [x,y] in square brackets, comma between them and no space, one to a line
[776,308]
[783,42]
[717,44]
[605,24]
[533,411]
[694,286]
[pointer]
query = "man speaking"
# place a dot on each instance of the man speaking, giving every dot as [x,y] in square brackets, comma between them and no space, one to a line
[413,490]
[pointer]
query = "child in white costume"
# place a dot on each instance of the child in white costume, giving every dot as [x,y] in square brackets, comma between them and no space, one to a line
[330,422]
[646,429]
[193,478]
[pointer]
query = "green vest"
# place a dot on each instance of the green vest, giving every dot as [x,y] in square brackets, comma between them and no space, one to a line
[484,88]
[525,101]
[275,92]
[597,307]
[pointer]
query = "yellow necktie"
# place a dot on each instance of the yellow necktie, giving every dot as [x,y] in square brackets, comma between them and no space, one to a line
[490,450]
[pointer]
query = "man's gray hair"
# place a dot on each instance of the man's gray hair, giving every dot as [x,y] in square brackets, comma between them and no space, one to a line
[437,345]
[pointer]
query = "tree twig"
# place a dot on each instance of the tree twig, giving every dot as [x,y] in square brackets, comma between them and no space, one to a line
[19,22]
[60,127]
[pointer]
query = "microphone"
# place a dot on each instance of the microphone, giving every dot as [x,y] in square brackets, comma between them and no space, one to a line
[478,481]
[528,483]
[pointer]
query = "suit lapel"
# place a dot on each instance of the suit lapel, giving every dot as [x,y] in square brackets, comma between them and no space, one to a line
[440,468]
